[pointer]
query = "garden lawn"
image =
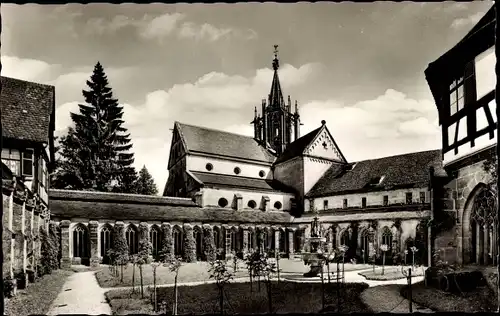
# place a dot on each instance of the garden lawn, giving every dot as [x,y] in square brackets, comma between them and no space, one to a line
[189,272]
[37,298]
[480,300]
[390,273]
[287,297]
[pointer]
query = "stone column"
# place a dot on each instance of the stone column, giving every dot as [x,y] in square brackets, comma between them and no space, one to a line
[65,260]
[290,242]
[277,240]
[245,248]
[94,240]
[486,233]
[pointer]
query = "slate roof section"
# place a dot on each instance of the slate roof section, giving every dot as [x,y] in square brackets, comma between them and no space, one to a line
[221,143]
[98,206]
[401,171]
[297,147]
[221,180]
[55,194]
[26,109]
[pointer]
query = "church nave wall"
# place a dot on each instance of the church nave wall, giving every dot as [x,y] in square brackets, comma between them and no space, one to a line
[228,167]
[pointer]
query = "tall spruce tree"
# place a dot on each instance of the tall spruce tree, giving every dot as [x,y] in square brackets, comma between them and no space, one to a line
[145,183]
[95,153]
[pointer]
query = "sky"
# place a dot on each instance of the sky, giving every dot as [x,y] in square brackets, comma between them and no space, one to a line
[359,66]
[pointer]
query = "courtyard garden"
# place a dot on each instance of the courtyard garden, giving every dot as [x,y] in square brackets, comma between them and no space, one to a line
[390,273]
[286,297]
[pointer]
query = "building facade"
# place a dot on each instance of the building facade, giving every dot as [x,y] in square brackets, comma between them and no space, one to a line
[462,82]
[28,112]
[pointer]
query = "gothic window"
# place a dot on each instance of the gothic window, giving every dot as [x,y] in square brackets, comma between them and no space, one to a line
[283,241]
[251,240]
[209,167]
[177,234]
[237,170]
[132,240]
[252,204]
[365,241]
[262,173]
[277,205]
[265,239]
[234,240]
[344,238]
[198,237]
[387,237]
[106,240]
[386,200]
[216,238]
[483,218]
[154,237]
[223,202]
[80,241]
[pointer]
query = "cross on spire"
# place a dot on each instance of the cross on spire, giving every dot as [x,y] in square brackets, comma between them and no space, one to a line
[276,64]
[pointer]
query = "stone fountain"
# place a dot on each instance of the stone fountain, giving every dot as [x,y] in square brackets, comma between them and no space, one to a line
[314,257]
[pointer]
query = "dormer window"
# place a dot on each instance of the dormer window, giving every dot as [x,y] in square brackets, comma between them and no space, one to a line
[375,181]
[462,90]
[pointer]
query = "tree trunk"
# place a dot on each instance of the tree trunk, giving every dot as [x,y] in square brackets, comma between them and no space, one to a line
[278,267]
[154,287]
[133,278]
[221,300]
[142,287]
[251,282]
[270,296]
[322,289]
[383,262]
[338,287]
[121,269]
[328,269]
[175,294]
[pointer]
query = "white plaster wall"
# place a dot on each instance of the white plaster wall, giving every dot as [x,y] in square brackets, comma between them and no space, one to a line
[226,166]
[211,198]
[314,169]
[316,148]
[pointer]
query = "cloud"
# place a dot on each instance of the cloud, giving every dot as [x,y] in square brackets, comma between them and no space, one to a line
[28,69]
[161,26]
[467,21]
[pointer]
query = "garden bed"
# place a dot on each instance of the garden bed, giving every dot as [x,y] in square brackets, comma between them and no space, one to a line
[287,297]
[481,299]
[37,298]
[390,273]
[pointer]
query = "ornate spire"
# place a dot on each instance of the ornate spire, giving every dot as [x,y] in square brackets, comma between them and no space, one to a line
[276,96]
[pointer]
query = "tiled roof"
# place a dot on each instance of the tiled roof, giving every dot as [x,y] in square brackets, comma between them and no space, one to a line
[94,196]
[215,142]
[239,182]
[297,147]
[72,205]
[408,170]
[26,109]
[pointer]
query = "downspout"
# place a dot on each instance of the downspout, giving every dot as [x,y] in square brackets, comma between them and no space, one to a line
[429,227]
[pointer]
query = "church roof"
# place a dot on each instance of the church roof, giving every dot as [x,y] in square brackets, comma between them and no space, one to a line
[401,171]
[297,147]
[239,182]
[210,141]
[27,108]
[99,206]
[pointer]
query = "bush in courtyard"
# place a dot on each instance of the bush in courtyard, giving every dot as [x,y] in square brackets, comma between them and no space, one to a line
[8,287]
[120,248]
[167,244]
[189,244]
[46,260]
[144,252]
[209,243]
[219,272]
[55,246]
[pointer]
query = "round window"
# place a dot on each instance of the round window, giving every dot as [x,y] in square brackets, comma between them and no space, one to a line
[209,166]
[237,170]
[277,205]
[262,173]
[222,202]
[252,204]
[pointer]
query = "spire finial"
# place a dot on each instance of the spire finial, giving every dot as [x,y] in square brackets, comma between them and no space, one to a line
[276,64]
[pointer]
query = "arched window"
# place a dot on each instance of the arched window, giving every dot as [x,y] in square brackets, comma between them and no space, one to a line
[265,239]
[223,202]
[483,219]
[283,241]
[106,240]
[297,241]
[344,238]
[234,240]
[365,242]
[387,237]
[251,240]
[216,238]
[177,234]
[198,237]
[132,240]
[154,237]
[80,241]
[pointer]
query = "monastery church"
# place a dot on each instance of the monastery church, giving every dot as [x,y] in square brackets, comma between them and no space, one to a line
[271,185]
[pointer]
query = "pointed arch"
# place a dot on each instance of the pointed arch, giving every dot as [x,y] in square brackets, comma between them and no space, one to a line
[132,236]
[155,237]
[106,241]
[387,238]
[198,239]
[283,240]
[177,235]
[81,242]
[364,244]
[344,237]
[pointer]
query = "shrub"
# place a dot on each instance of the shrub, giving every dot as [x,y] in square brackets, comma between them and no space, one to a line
[120,247]
[8,287]
[189,244]
[209,243]
[46,252]
[167,244]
